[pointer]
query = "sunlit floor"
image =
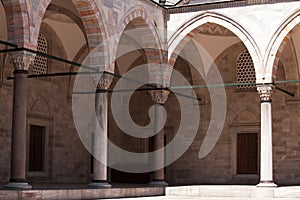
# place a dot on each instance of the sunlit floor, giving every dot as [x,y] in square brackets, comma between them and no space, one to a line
[227,192]
[201,198]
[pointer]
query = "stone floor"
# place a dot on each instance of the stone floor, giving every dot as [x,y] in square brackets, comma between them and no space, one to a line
[78,192]
[138,192]
[221,192]
[201,198]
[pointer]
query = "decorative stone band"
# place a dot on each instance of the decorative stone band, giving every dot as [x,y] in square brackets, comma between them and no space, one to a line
[22,60]
[160,96]
[265,92]
[104,82]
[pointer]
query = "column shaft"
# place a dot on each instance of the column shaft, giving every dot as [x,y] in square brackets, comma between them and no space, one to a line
[100,144]
[100,151]
[266,147]
[18,146]
[21,62]
[158,175]
[266,144]
[159,97]
[18,150]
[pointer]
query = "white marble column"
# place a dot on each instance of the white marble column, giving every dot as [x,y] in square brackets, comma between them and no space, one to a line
[266,147]
[159,97]
[21,64]
[100,179]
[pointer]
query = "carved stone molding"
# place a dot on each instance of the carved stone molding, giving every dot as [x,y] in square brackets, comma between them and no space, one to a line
[104,82]
[22,61]
[265,92]
[214,29]
[160,96]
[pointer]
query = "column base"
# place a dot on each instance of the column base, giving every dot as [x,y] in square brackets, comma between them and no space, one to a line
[266,184]
[100,184]
[158,184]
[18,186]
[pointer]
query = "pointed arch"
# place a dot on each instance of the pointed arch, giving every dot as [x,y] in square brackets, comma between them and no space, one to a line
[40,106]
[278,42]
[139,16]
[17,22]
[246,116]
[188,30]
[91,17]
[151,41]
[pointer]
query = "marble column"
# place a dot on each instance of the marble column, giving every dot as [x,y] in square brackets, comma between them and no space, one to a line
[100,179]
[18,146]
[266,147]
[159,97]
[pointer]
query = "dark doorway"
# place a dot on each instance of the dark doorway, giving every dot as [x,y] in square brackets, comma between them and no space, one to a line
[247,153]
[36,148]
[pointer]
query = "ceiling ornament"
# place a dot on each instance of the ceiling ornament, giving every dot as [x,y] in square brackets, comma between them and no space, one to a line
[215,30]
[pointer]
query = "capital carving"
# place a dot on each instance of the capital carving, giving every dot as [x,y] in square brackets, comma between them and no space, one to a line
[159,96]
[265,92]
[104,82]
[22,61]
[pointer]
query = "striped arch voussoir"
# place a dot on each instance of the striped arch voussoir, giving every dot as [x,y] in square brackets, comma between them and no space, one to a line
[280,50]
[146,29]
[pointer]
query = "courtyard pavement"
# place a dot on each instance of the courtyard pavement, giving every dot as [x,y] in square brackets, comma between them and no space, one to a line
[201,198]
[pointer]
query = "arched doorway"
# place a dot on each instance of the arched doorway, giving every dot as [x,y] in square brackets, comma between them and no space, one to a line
[226,52]
[283,64]
[132,53]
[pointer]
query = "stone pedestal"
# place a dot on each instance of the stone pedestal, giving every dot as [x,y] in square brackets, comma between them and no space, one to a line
[266,160]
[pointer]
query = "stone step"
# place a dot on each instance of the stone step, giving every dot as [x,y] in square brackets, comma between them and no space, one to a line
[79,194]
[200,198]
[234,192]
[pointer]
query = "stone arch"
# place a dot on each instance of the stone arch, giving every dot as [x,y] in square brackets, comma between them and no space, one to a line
[3,23]
[80,58]
[141,19]
[278,42]
[246,116]
[93,22]
[41,107]
[3,36]
[17,22]
[151,40]
[187,31]
[70,14]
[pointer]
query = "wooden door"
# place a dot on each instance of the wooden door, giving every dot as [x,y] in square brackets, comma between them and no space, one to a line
[247,153]
[36,148]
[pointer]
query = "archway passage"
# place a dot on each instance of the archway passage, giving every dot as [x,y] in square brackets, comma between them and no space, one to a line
[53,141]
[130,55]
[136,49]
[5,121]
[208,50]
[285,72]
